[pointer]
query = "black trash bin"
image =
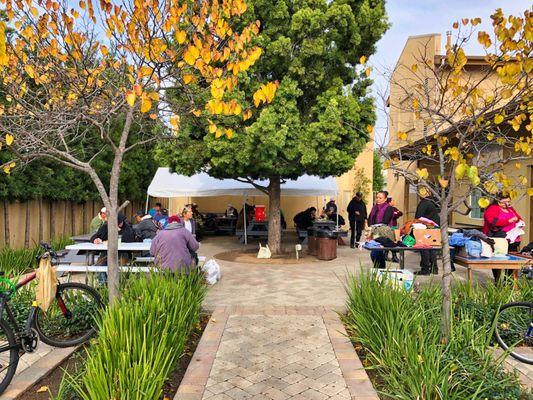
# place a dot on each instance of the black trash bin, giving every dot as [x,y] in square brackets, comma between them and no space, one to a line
[312,245]
[327,245]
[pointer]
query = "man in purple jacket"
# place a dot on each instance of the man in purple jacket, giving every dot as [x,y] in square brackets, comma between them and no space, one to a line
[174,247]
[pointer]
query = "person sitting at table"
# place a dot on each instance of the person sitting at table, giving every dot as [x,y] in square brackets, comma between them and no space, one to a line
[304,219]
[145,227]
[331,215]
[174,247]
[331,204]
[231,212]
[127,235]
[98,221]
[499,218]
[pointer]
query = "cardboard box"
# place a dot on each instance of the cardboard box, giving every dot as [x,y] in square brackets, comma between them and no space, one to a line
[430,237]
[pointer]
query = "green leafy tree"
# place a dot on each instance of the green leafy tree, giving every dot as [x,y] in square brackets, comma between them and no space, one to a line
[320,117]
[378,182]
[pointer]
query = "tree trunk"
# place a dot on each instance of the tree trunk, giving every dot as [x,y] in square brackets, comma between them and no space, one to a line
[113,272]
[27,226]
[6,223]
[446,317]
[274,218]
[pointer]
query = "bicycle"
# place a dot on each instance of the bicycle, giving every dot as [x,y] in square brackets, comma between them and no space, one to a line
[70,320]
[514,325]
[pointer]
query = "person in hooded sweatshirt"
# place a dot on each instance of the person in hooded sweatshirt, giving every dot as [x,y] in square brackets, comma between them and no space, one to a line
[174,247]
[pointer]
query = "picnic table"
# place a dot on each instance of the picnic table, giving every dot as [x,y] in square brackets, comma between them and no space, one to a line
[226,224]
[92,249]
[86,237]
[510,261]
[255,229]
[401,251]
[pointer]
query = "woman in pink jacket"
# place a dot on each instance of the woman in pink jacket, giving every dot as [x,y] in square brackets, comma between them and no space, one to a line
[499,218]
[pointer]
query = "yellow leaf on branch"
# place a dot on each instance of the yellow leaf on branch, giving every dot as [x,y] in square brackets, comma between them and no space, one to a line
[483,202]
[229,133]
[422,173]
[130,98]
[530,191]
[368,71]
[362,60]
[9,139]
[187,78]
[498,119]
[212,128]
[181,36]
[265,94]
[460,171]
[146,104]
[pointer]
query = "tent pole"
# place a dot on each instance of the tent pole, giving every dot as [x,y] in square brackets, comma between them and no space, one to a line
[244,215]
[147,199]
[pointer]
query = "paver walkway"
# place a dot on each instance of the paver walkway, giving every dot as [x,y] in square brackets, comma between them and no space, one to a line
[274,332]
[275,353]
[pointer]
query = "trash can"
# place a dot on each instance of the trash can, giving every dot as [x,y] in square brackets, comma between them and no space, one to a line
[312,245]
[327,245]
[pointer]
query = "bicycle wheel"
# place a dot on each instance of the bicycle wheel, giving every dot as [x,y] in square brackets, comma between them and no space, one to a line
[71,318]
[9,355]
[514,330]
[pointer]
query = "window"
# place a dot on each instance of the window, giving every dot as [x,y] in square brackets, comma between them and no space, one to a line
[476,212]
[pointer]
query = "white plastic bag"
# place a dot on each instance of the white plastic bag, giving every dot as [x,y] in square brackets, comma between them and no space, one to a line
[211,270]
[264,252]
[398,278]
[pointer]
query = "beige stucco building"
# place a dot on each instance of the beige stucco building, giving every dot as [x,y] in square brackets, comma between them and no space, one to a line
[293,205]
[430,47]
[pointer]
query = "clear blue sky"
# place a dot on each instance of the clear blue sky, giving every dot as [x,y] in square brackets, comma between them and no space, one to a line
[417,17]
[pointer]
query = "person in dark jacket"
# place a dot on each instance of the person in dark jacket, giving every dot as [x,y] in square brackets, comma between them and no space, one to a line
[145,227]
[304,219]
[127,235]
[331,214]
[331,204]
[357,216]
[125,231]
[427,208]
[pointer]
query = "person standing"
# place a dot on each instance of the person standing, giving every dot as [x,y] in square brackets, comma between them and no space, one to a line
[98,221]
[499,218]
[357,215]
[427,208]
[188,222]
[396,214]
[381,214]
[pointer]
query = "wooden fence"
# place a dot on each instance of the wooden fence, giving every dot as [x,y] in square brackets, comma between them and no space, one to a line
[24,224]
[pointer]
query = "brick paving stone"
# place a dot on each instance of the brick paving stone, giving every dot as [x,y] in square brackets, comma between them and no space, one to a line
[276,356]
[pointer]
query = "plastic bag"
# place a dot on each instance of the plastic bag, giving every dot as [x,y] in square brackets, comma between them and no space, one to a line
[397,278]
[264,252]
[46,284]
[212,273]
[473,248]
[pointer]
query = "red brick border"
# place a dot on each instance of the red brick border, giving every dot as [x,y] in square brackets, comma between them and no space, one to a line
[194,382]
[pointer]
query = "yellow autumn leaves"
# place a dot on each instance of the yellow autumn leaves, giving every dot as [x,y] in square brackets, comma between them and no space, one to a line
[265,94]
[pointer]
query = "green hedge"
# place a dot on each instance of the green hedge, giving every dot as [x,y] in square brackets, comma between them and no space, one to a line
[13,262]
[400,333]
[141,338]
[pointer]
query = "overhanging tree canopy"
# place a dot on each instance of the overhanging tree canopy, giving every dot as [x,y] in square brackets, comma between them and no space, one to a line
[320,117]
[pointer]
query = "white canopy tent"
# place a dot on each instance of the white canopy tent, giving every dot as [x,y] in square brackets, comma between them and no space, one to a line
[167,184]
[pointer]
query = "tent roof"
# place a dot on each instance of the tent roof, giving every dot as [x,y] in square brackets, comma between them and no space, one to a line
[166,184]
